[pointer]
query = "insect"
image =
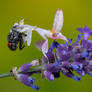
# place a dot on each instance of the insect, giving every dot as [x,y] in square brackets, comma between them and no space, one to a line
[57,26]
[19,34]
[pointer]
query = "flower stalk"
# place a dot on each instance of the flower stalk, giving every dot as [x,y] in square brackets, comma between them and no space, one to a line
[32,69]
[9,74]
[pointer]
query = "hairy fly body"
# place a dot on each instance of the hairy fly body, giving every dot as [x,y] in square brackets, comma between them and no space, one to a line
[15,38]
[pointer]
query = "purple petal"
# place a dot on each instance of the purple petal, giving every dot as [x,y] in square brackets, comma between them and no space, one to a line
[25,67]
[90,68]
[50,56]
[52,67]
[87,32]
[66,64]
[49,75]
[63,53]
[67,72]
[87,44]
[77,78]
[79,38]
[54,45]
[26,80]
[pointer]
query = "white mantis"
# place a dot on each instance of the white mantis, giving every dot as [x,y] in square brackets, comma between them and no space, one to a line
[54,33]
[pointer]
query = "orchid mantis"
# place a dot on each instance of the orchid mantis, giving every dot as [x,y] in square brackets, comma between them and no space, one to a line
[57,26]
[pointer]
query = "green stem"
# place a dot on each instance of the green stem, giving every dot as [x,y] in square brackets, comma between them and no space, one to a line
[9,74]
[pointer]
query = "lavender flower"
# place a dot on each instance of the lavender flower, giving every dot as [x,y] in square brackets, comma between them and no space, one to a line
[86,31]
[58,58]
[23,75]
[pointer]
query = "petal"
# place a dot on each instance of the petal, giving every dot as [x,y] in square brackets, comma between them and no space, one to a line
[52,67]
[25,67]
[90,67]
[67,72]
[63,54]
[53,45]
[58,21]
[85,54]
[66,64]
[50,56]
[86,31]
[49,75]
[35,87]
[90,73]
[87,44]
[79,38]
[81,30]
[26,80]
[77,78]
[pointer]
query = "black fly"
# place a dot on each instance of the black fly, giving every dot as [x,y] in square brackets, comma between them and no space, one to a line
[19,34]
[15,38]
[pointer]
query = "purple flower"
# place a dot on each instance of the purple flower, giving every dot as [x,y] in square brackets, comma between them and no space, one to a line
[50,56]
[63,53]
[23,75]
[25,67]
[49,75]
[26,80]
[52,67]
[86,31]
[52,70]
[60,58]
[69,74]
[53,45]
[79,38]
[87,44]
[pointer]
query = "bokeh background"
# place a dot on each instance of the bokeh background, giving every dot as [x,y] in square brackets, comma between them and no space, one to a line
[77,13]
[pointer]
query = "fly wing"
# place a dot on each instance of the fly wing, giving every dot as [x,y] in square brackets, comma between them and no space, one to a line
[42,32]
[58,21]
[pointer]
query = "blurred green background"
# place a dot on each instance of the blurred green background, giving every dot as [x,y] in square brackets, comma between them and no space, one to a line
[77,13]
